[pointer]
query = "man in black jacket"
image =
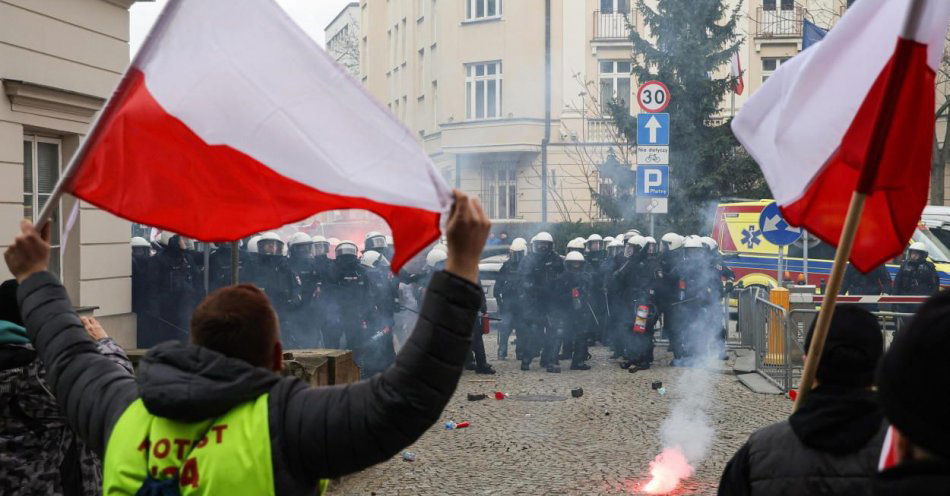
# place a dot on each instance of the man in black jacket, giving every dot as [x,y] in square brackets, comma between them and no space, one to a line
[314,433]
[832,443]
[912,382]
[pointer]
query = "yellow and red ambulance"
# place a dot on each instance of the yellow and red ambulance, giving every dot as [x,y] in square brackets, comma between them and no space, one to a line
[755,260]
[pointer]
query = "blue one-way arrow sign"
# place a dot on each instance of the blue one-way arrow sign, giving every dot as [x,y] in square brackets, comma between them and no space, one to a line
[775,229]
[653,129]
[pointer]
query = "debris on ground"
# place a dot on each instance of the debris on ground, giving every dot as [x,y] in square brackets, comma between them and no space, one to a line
[661,390]
[577,392]
[500,395]
[656,385]
[452,425]
[408,456]
[476,397]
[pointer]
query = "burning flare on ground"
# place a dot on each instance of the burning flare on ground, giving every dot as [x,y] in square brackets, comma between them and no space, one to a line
[667,470]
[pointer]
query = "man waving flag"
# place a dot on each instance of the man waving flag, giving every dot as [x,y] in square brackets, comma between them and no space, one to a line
[810,126]
[230,121]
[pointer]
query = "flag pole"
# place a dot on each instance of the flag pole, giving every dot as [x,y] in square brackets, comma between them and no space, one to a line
[882,125]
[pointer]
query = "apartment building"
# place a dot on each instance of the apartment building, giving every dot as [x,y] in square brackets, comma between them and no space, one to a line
[342,37]
[59,62]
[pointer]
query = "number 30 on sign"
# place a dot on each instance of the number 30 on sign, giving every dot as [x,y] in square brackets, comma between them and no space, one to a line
[653,96]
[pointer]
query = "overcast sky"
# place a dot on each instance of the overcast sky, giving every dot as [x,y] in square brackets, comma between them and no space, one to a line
[311,15]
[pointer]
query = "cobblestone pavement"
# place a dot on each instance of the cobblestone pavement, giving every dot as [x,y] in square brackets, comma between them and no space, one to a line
[541,441]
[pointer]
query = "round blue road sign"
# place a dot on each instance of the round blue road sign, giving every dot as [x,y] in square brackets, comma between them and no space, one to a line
[775,229]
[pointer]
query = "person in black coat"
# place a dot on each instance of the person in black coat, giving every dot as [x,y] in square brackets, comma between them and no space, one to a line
[574,308]
[276,278]
[349,307]
[314,433]
[912,382]
[537,274]
[508,295]
[173,293]
[831,445]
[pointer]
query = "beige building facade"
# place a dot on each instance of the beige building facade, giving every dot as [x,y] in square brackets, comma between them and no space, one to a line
[59,62]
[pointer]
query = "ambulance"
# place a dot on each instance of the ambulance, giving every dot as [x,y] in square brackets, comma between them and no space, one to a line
[755,260]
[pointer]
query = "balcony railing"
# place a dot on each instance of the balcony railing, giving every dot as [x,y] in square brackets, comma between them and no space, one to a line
[613,25]
[778,23]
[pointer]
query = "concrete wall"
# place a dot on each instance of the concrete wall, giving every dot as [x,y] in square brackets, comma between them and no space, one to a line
[59,62]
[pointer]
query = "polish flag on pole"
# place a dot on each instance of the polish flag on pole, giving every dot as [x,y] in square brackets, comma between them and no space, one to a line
[736,71]
[231,120]
[810,126]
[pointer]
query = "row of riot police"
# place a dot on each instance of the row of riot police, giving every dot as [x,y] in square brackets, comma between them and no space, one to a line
[614,290]
[348,301]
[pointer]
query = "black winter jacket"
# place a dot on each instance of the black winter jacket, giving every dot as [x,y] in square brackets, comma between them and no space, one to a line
[315,432]
[829,446]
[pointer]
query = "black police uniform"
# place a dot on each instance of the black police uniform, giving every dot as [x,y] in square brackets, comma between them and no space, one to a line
[508,296]
[274,276]
[574,310]
[538,273]
[173,295]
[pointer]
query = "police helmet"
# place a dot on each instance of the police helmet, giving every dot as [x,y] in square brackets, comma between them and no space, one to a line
[300,238]
[374,240]
[519,244]
[139,242]
[692,242]
[574,256]
[435,256]
[252,244]
[594,242]
[709,242]
[576,244]
[370,258]
[542,240]
[268,237]
[919,247]
[346,247]
[638,241]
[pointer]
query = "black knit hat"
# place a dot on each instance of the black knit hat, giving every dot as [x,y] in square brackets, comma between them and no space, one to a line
[914,378]
[852,350]
[9,308]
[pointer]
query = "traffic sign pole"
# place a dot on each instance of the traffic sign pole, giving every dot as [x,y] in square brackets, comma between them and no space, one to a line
[780,273]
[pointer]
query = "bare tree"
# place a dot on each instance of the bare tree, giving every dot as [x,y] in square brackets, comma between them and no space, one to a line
[941,150]
[344,46]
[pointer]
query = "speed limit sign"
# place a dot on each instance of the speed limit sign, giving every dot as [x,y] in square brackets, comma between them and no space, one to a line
[653,96]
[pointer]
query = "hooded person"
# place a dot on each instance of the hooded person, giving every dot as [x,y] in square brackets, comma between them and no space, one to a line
[41,454]
[213,416]
[832,443]
[912,382]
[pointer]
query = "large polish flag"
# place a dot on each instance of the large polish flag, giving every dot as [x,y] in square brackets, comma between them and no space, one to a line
[231,120]
[809,127]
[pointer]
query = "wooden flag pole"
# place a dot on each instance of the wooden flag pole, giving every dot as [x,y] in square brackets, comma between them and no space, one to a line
[901,64]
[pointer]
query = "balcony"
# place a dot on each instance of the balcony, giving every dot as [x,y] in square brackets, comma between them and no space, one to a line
[778,23]
[613,26]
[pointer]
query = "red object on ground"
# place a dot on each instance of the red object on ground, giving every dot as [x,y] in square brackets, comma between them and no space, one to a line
[499,395]
[462,425]
[793,394]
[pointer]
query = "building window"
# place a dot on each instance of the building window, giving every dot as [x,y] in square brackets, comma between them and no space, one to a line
[500,191]
[614,83]
[481,9]
[780,4]
[607,189]
[771,64]
[41,166]
[483,90]
[615,6]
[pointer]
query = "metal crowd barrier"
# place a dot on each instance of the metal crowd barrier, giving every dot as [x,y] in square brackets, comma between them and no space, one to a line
[777,335]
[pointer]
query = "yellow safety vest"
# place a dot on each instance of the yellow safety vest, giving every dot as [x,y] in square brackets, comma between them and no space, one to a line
[229,454]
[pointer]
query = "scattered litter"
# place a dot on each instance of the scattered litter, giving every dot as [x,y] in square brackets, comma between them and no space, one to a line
[656,385]
[408,456]
[577,393]
[661,390]
[527,415]
[449,425]
[607,414]
[476,397]
[500,395]
[452,425]
[793,394]
[462,425]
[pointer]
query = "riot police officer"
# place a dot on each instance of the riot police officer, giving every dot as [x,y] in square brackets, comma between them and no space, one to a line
[172,291]
[306,321]
[277,280]
[916,276]
[141,252]
[349,297]
[697,294]
[219,267]
[575,312]
[635,282]
[595,256]
[508,296]
[378,352]
[576,244]
[616,258]
[538,272]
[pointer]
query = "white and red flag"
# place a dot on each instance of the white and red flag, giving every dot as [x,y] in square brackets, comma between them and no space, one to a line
[735,70]
[809,127]
[231,120]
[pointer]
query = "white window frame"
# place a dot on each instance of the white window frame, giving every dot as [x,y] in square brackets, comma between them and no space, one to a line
[491,72]
[778,63]
[500,190]
[779,6]
[614,76]
[472,7]
[56,249]
[615,7]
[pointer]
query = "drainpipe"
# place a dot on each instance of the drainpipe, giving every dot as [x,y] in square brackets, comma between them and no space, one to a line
[547,111]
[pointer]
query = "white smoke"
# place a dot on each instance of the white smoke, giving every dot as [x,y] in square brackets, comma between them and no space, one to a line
[688,426]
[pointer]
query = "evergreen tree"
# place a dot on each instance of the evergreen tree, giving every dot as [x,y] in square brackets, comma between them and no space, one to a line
[690,41]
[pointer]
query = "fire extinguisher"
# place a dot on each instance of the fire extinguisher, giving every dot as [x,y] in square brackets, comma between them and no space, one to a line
[682,288]
[486,324]
[640,325]
[576,298]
